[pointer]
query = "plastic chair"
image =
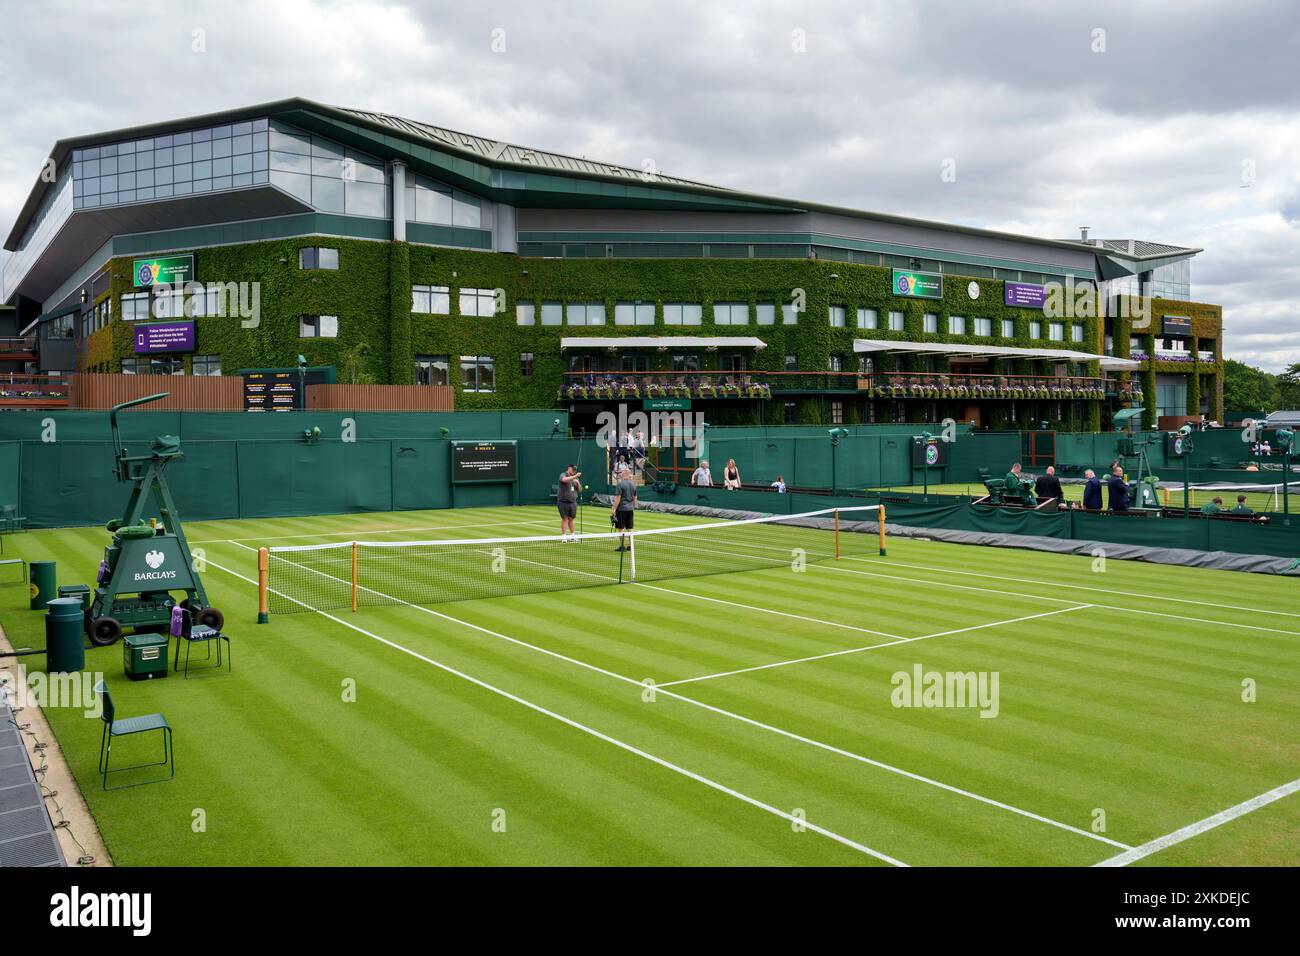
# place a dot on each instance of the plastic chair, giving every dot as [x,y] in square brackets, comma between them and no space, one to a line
[125,726]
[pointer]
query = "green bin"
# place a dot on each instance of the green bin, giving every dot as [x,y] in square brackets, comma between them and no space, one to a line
[43,584]
[144,656]
[79,591]
[64,650]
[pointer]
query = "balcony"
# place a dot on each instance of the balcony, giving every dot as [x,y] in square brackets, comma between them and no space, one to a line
[33,391]
[18,349]
[606,386]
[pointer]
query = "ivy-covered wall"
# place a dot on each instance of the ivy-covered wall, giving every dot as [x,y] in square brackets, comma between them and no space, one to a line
[1207,334]
[379,337]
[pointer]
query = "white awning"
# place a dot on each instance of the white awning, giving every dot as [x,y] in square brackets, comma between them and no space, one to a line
[664,342]
[960,350]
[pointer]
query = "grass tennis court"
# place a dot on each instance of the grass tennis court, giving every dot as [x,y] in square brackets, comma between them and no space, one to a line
[1258,500]
[522,730]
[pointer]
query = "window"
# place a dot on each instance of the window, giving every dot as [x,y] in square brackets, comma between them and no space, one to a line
[430,299]
[1008,328]
[586,313]
[791,413]
[552,313]
[792,363]
[686,362]
[478,373]
[478,302]
[835,363]
[157,365]
[895,321]
[634,313]
[930,322]
[837,413]
[765,313]
[956,325]
[682,313]
[526,364]
[525,313]
[634,363]
[789,314]
[312,257]
[318,326]
[984,327]
[731,313]
[205,365]
[732,362]
[135,306]
[838,316]
[431,370]
[168,302]
[1076,331]
[1056,331]
[868,319]
[1035,329]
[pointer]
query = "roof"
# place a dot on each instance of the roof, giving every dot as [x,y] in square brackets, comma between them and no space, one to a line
[664,341]
[992,351]
[1138,248]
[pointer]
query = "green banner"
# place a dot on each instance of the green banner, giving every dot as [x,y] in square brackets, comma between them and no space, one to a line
[918,285]
[162,270]
[666,405]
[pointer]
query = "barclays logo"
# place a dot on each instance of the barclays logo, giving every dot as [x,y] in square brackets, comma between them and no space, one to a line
[154,559]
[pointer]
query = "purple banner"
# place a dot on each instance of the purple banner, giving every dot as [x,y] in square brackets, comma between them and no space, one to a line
[164,337]
[1025,294]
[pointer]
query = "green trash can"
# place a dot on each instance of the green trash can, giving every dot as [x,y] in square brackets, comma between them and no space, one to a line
[64,650]
[79,591]
[144,656]
[42,588]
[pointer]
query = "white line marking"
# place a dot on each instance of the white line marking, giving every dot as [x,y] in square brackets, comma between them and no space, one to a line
[690,774]
[871,647]
[352,533]
[1200,826]
[830,748]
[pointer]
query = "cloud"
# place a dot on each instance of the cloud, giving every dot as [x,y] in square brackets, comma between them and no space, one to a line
[1184,129]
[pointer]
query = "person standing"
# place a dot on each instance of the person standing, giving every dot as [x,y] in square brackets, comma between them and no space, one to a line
[1118,489]
[731,475]
[1049,486]
[779,485]
[1091,491]
[623,507]
[566,500]
[701,478]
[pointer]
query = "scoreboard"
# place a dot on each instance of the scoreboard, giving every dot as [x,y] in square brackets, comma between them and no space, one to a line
[483,461]
[280,389]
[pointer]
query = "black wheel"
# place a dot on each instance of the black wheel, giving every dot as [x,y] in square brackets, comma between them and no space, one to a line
[104,631]
[211,617]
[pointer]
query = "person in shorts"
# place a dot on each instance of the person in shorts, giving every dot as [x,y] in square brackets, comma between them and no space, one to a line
[623,506]
[566,499]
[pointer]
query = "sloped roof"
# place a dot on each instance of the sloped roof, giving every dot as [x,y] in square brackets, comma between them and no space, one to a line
[1138,248]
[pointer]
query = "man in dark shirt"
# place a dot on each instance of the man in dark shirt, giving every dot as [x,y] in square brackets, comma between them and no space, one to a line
[1091,491]
[623,506]
[1118,489]
[1049,486]
[566,499]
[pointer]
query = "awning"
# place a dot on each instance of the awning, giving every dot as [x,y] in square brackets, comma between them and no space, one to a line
[991,351]
[664,342]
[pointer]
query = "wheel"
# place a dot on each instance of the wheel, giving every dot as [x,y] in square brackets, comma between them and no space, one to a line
[211,617]
[104,631]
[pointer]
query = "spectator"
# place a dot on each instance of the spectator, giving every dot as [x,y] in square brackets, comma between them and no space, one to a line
[1242,508]
[1118,489]
[1049,486]
[1214,507]
[1265,448]
[731,476]
[701,477]
[779,485]
[1091,491]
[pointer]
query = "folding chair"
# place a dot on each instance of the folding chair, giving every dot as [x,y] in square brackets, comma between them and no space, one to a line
[188,633]
[124,727]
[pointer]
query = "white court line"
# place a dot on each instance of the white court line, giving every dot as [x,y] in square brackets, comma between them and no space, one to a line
[871,647]
[353,532]
[830,748]
[1200,826]
[690,774]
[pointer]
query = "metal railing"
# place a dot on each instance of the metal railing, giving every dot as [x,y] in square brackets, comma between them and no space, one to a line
[33,391]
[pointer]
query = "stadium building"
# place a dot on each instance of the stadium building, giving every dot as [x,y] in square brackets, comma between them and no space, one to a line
[385,250]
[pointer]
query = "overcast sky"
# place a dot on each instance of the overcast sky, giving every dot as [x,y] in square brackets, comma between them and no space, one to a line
[1170,121]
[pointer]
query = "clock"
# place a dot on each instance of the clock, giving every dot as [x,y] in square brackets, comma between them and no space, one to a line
[973,290]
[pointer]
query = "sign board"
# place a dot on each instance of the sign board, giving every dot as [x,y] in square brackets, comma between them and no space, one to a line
[162,270]
[918,285]
[666,405]
[1177,325]
[483,461]
[164,337]
[1177,445]
[932,453]
[280,389]
[1025,295]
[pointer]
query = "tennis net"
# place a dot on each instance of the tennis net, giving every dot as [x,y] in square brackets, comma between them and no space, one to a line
[370,573]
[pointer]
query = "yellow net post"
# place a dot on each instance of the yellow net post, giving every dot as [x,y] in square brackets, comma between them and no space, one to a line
[263,585]
[882,531]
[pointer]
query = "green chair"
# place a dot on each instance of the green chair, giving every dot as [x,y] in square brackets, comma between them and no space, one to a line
[115,726]
[10,519]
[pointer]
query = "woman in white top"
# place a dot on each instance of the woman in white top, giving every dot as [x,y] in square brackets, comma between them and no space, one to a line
[731,475]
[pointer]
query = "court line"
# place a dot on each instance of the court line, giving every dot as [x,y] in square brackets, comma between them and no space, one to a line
[830,748]
[353,532]
[1200,826]
[591,731]
[870,647]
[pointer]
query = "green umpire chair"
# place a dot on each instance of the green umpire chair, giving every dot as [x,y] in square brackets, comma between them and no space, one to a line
[115,727]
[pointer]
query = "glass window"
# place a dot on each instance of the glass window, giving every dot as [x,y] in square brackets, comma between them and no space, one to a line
[838,316]
[206,365]
[1056,331]
[430,299]
[682,313]
[1076,331]
[792,363]
[984,327]
[525,313]
[835,363]
[1035,329]
[552,313]
[366,199]
[731,313]
[956,325]
[1008,328]
[765,313]
[586,313]
[634,313]
[526,364]
[318,258]
[837,412]
[930,322]
[432,370]
[868,319]
[478,302]
[168,303]
[895,321]
[478,373]
[465,210]
[789,314]
[326,193]
[135,306]
[318,326]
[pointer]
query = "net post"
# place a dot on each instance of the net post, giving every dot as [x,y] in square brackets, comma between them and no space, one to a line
[882,531]
[263,585]
[631,550]
[354,576]
[837,534]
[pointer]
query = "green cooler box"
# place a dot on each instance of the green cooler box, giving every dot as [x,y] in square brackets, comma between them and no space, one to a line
[144,656]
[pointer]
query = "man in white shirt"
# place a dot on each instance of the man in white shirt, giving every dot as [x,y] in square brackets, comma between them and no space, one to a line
[779,485]
[701,478]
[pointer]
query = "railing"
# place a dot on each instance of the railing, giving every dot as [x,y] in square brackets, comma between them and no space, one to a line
[762,384]
[17,349]
[33,391]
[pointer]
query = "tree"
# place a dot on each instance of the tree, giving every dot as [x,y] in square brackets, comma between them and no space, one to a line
[1248,389]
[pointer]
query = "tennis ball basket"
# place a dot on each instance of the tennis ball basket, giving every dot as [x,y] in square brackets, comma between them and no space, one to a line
[148,562]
